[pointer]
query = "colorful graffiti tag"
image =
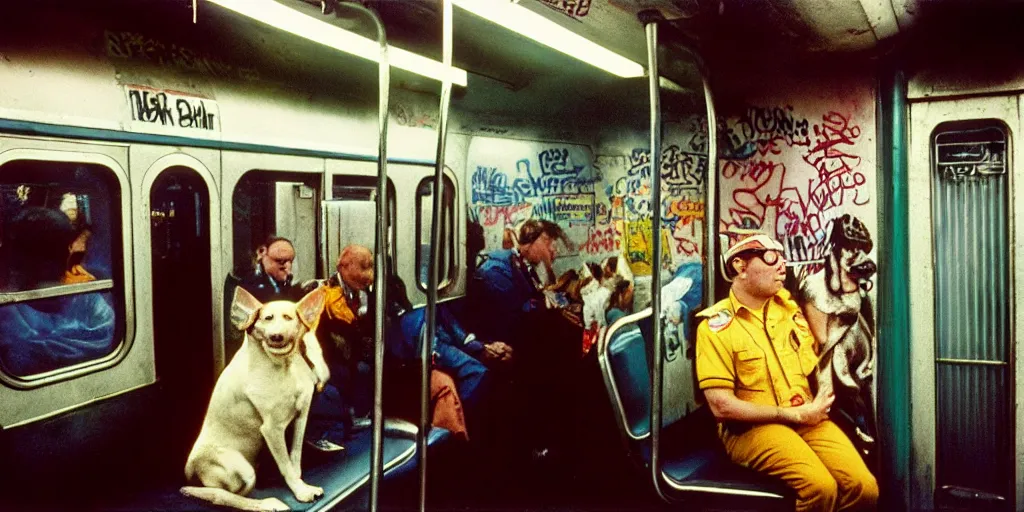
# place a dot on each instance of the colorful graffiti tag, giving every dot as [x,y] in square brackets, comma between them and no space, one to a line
[787,176]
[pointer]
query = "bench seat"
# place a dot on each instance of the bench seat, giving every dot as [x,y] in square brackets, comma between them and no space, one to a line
[343,475]
[693,463]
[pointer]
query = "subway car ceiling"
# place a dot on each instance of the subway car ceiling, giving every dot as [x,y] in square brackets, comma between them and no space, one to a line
[514,83]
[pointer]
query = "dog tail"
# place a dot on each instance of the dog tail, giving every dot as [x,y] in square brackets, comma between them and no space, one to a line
[225,498]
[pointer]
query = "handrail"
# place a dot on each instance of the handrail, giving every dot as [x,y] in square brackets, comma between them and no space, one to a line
[56,291]
[710,192]
[658,364]
[426,342]
[379,260]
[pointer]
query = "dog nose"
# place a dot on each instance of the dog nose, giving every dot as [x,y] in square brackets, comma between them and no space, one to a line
[865,269]
[277,338]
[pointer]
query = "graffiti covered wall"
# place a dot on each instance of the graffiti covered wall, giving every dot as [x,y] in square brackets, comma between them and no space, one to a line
[602,201]
[798,162]
[512,180]
[791,170]
[624,199]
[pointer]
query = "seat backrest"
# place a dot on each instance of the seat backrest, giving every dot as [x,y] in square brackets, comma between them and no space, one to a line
[625,363]
[625,358]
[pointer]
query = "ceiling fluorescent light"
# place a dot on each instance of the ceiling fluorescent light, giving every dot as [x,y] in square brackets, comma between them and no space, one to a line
[530,24]
[290,20]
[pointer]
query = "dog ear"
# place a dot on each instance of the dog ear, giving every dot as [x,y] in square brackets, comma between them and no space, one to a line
[310,307]
[244,309]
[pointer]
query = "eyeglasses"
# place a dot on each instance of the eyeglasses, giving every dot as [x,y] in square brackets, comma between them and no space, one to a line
[770,257]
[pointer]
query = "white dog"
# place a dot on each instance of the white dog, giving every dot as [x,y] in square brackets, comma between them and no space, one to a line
[267,385]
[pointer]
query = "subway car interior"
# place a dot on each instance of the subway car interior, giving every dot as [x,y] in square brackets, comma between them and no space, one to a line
[153,155]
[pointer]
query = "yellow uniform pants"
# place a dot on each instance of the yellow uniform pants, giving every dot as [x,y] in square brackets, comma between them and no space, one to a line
[819,463]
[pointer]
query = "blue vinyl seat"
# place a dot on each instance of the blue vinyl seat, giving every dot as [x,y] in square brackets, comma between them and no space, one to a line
[694,466]
[344,476]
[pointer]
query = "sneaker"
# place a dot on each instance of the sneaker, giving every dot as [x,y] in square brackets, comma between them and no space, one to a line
[360,424]
[323,445]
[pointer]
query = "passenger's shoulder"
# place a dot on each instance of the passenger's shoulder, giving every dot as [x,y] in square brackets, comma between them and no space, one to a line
[496,260]
[718,316]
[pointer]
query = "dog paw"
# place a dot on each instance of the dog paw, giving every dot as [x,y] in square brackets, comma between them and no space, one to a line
[272,505]
[307,493]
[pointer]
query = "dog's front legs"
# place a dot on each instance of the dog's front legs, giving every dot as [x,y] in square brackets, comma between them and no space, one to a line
[314,356]
[297,437]
[274,436]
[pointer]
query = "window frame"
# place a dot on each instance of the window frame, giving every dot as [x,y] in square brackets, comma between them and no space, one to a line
[119,284]
[448,207]
[368,183]
[272,175]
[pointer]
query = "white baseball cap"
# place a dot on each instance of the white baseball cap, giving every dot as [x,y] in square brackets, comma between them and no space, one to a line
[753,240]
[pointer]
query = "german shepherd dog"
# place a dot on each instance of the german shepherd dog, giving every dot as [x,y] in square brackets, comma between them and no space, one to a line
[847,356]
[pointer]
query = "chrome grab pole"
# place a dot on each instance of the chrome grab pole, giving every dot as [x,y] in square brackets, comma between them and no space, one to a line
[651,30]
[710,193]
[430,327]
[379,262]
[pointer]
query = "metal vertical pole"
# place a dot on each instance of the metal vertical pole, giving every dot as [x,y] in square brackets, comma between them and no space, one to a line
[710,193]
[651,30]
[430,328]
[379,262]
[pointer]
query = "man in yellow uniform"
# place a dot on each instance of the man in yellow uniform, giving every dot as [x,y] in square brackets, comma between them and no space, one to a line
[755,352]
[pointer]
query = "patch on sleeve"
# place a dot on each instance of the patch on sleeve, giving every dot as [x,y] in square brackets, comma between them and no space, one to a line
[720,321]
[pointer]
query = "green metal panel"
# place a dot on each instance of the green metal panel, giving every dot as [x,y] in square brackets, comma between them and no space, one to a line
[894,294]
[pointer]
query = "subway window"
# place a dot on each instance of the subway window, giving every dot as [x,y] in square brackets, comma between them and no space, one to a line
[424,211]
[61,291]
[282,204]
[351,217]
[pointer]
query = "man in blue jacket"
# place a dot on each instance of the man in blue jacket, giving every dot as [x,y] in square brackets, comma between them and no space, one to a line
[506,285]
[508,304]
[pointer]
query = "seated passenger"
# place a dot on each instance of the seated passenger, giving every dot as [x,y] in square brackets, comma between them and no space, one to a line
[507,303]
[46,334]
[756,383]
[272,277]
[75,272]
[454,351]
[345,332]
[507,285]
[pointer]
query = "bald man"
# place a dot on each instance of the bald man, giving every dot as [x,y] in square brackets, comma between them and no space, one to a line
[345,332]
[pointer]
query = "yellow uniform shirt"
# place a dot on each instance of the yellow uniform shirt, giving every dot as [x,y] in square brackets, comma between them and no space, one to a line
[764,356]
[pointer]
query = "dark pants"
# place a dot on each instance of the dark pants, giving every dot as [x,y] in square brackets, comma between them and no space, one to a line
[349,393]
[545,375]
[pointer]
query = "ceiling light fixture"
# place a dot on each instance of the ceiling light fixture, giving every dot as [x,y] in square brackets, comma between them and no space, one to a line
[523,21]
[295,22]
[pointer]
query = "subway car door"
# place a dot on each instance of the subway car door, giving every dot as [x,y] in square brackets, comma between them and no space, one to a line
[966,447]
[179,197]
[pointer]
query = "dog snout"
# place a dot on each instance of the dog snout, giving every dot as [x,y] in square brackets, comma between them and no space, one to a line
[863,270]
[277,338]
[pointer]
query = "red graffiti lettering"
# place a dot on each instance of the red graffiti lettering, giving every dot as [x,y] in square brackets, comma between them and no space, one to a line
[601,240]
[500,215]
